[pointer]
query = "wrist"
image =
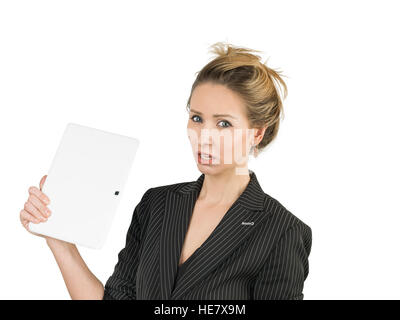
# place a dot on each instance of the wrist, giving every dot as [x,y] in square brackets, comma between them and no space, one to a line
[55,244]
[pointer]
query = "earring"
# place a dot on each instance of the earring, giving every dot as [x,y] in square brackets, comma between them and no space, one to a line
[253,150]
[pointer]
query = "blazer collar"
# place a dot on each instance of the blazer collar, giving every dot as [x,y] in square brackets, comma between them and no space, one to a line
[179,206]
[252,197]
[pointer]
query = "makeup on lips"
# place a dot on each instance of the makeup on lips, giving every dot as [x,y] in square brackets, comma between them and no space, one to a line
[205,158]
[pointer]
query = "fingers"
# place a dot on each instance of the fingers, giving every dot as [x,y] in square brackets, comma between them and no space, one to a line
[44,210]
[35,209]
[39,194]
[26,217]
[41,183]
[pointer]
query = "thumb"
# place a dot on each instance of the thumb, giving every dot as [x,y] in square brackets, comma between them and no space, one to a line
[41,183]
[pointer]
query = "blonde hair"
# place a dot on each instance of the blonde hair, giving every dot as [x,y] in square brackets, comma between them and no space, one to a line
[240,70]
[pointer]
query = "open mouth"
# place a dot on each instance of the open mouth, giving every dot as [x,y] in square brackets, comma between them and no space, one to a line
[205,156]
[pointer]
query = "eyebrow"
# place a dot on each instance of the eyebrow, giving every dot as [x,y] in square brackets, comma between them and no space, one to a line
[214,115]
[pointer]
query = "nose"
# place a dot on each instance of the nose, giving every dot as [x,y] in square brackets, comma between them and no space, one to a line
[204,140]
[208,135]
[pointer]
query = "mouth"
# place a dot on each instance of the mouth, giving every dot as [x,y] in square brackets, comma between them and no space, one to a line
[205,156]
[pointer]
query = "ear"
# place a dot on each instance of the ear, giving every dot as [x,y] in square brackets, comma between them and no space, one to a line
[259,135]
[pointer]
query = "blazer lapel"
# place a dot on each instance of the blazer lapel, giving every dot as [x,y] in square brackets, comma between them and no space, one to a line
[236,226]
[178,210]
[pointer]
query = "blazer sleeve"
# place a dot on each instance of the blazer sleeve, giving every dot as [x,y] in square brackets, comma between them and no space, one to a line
[121,285]
[283,275]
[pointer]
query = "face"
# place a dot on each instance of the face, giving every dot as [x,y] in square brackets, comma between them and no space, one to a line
[218,127]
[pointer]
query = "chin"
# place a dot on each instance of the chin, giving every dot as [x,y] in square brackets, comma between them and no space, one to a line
[209,169]
[206,168]
[213,169]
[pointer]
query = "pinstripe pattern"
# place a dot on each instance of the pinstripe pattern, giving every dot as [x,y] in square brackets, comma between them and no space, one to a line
[181,270]
[264,260]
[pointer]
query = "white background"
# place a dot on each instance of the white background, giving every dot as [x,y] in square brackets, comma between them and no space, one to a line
[127,67]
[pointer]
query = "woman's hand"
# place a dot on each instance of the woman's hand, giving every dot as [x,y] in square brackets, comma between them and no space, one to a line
[35,208]
[81,283]
[36,211]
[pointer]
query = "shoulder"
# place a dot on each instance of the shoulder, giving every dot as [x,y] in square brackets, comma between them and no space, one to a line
[155,194]
[151,202]
[285,220]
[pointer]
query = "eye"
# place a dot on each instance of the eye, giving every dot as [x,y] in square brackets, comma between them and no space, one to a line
[193,118]
[226,122]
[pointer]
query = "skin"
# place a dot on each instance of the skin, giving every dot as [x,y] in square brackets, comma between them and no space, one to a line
[228,175]
[225,179]
[81,283]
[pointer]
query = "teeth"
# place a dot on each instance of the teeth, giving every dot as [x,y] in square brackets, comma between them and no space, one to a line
[205,156]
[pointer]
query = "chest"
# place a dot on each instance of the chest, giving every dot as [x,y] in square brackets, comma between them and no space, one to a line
[204,220]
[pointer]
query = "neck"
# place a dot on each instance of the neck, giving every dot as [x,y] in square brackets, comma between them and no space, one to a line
[224,188]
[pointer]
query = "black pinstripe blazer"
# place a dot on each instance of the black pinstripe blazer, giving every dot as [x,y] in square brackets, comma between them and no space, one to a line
[259,250]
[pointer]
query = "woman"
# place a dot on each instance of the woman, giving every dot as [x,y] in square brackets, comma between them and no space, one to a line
[220,236]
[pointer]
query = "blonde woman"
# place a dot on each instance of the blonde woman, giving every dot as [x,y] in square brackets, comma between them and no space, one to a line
[220,236]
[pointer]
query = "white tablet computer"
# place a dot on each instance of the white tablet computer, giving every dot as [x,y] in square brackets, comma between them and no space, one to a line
[84,184]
